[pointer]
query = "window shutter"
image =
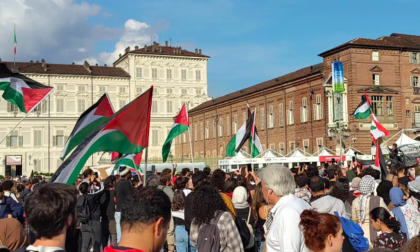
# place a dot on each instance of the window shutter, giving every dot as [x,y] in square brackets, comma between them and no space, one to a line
[44,106]
[301,114]
[306,114]
[9,106]
[20,141]
[273,120]
[411,84]
[8,141]
[287,117]
[411,57]
[54,140]
[321,111]
[315,112]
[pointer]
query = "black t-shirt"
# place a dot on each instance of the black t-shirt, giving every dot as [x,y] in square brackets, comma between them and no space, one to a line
[122,189]
[108,205]
[188,211]
[404,181]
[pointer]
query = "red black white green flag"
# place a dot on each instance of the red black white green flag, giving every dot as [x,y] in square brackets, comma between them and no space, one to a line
[180,126]
[22,91]
[126,132]
[91,119]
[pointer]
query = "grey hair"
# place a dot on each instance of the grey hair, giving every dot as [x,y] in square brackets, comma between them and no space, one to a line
[152,180]
[278,178]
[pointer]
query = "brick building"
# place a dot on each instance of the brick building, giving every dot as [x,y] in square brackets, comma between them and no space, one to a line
[295,110]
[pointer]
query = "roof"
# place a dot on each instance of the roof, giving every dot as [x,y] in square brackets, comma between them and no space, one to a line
[69,69]
[318,68]
[157,49]
[394,41]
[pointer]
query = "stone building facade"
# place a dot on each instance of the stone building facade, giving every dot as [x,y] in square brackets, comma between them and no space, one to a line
[296,110]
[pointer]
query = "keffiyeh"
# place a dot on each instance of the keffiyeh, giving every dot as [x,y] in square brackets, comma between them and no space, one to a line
[366,188]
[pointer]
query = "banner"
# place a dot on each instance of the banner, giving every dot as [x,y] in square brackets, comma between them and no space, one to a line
[337,77]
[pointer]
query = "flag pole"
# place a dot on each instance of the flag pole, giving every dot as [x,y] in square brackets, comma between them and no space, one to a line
[145,167]
[14,48]
[17,124]
[189,133]
[253,138]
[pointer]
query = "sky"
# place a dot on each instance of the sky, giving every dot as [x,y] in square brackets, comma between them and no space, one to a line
[249,41]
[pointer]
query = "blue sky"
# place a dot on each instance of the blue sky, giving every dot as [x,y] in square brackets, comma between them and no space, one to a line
[252,41]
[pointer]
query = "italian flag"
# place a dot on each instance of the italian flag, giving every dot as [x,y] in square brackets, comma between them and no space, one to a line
[376,129]
[363,110]
[254,141]
[238,140]
[91,119]
[180,126]
[130,160]
[126,132]
[21,91]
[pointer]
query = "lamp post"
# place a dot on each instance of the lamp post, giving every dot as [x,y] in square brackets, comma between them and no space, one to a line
[340,133]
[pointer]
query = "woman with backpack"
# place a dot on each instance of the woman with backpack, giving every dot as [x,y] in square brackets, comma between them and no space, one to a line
[390,236]
[244,214]
[213,228]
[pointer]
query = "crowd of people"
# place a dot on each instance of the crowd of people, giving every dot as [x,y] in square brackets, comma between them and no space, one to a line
[307,208]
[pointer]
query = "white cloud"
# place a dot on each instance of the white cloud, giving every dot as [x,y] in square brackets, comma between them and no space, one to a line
[58,31]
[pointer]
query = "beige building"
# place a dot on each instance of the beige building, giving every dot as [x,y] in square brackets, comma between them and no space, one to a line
[177,75]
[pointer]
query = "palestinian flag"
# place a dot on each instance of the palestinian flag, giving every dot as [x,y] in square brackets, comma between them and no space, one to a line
[21,91]
[91,119]
[238,140]
[363,110]
[376,129]
[180,126]
[126,132]
[114,155]
[254,141]
[131,160]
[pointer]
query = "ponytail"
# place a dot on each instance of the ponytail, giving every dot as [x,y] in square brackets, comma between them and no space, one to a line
[383,215]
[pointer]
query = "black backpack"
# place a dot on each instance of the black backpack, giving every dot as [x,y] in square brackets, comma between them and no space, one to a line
[243,230]
[83,212]
[209,236]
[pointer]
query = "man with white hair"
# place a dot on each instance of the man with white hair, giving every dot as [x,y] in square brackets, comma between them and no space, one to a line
[282,225]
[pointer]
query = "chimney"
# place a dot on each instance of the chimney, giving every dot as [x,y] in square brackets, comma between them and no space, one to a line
[105,65]
[96,64]
[136,47]
[145,48]
[174,50]
[73,63]
[87,66]
[37,61]
[166,43]
[199,52]
[43,63]
[196,51]
[120,55]
[127,49]
[29,61]
[160,49]
[180,50]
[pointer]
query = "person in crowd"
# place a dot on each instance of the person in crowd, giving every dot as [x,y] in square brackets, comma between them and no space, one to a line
[51,220]
[230,185]
[242,181]
[354,189]
[406,212]
[282,224]
[260,209]
[9,187]
[208,205]
[9,208]
[341,191]
[243,209]
[362,204]
[383,191]
[414,187]
[152,180]
[12,234]
[181,235]
[393,153]
[78,181]
[332,176]
[302,190]
[107,204]
[87,177]
[122,189]
[218,181]
[393,179]
[181,184]
[166,183]
[402,176]
[136,182]
[322,231]
[92,231]
[412,245]
[324,203]
[185,172]
[196,178]
[207,171]
[389,227]
[145,217]
[351,174]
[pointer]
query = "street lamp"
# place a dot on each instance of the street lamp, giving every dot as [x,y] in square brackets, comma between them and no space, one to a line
[338,134]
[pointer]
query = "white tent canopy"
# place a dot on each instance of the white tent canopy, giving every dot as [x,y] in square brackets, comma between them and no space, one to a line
[269,153]
[240,155]
[324,152]
[296,153]
[404,139]
[350,152]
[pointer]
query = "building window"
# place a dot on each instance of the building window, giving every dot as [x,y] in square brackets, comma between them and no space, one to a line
[12,107]
[169,90]
[195,132]
[155,137]
[60,87]
[37,138]
[414,57]
[304,111]
[154,106]
[281,148]
[201,131]
[81,105]
[377,105]
[139,90]
[183,74]
[198,91]
[59,138]
[122,89]
[318,109]
[41,107]
[305,145]
[59,105]
[184,91]
[375,78]
[154,73]
[270,117]
[235,124]
[207,130]
[375,56]
[290,114]
[262,118]
[281,115]
[389,106]
[319,143]
[291,145]
[82,88]
[407,101]
[220,127]
[169,74]
[407,114]
[122,103]
[139,72]
[228,126]
[169,106]
[155,90]
[14,140]
[414,81]
[102,89]
[416,115]
[198,75]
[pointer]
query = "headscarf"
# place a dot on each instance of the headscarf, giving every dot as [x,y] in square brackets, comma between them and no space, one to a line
[366,188]
[239,198]
[383,190]
[350,174]
[355,183]
[397,197]
[12,234]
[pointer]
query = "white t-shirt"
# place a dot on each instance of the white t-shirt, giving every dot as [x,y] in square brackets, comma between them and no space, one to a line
[43,249]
